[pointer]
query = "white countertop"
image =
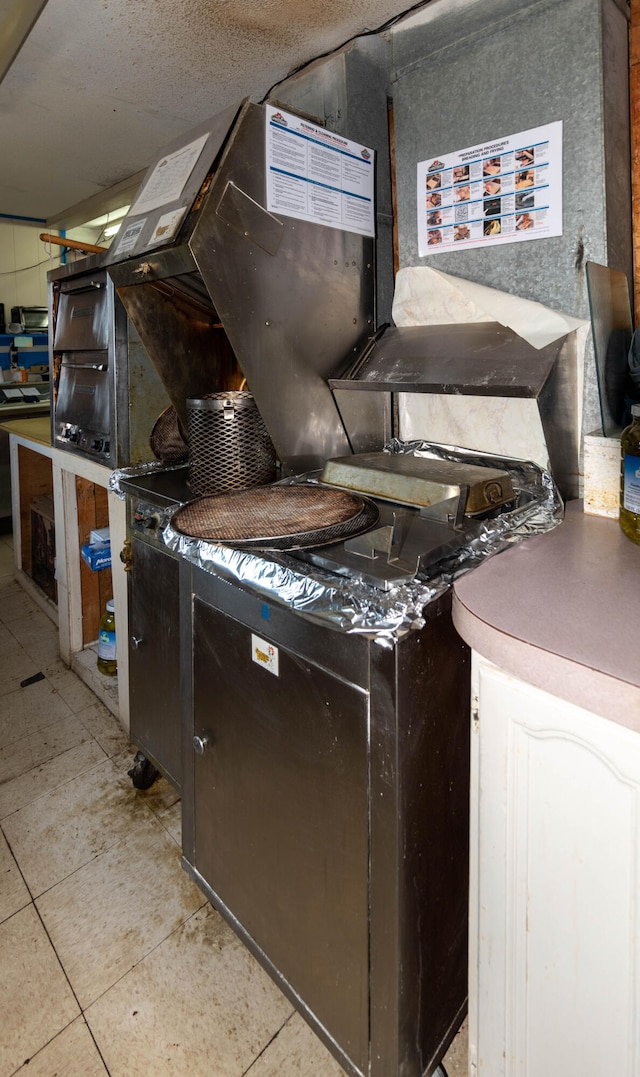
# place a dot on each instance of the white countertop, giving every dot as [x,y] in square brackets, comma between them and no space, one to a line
[562,611]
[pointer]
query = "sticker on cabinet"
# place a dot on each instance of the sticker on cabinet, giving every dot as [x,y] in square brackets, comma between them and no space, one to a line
[264,654]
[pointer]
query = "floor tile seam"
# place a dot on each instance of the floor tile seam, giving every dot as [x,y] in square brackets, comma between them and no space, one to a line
[49,726]
[74,708]
[14,646]
[29,734]
[5,920]
[140,960]
[36,667]
[247,1072]
[55,788]
[70,985]
[78,1017]
[118,728]
[155,815]
[17,863]
[97,856]
[43,628]
[166,828]
[55,754]
[10,744]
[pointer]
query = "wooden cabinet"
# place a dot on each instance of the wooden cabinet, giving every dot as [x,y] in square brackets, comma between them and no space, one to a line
[82,501]
[555,874]
[31,479]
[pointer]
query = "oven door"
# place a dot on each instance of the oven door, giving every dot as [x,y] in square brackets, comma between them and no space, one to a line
[82,408]
[83,317]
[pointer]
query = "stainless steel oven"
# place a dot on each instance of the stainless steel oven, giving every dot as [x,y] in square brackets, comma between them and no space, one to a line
[106,393]
[324,768]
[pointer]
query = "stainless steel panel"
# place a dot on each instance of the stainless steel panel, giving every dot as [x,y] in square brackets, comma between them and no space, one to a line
[281,806]
[612,328]
[558,408]
[349,90]
[367,418]
[419,799]
[472,359]
[295,317]
[84,398]
[286,303]
[155,703]
[87,314]
[142,220]
[250,219]
[83,319]
[413,760]
[189,350]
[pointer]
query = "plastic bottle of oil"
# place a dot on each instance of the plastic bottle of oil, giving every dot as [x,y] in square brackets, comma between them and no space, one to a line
[630,477]
[107,642]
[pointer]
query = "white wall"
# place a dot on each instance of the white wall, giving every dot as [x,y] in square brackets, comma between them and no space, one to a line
[24,263]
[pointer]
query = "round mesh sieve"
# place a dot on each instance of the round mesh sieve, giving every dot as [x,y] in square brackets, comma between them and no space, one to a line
[277,517]
[229,445]
[168,440]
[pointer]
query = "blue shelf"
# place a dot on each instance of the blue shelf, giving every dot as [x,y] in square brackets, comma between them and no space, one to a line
[28,355]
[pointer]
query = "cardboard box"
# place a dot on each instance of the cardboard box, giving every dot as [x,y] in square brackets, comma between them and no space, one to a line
[99,537]
[43,546]
[96,557]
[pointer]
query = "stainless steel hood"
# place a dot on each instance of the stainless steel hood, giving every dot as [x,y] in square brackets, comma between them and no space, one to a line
[285,302]
[483,359]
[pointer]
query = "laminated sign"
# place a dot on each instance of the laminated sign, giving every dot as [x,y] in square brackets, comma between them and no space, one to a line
[317,175]
[504,191]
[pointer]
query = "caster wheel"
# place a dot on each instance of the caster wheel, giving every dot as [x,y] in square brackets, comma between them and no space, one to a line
[143,773]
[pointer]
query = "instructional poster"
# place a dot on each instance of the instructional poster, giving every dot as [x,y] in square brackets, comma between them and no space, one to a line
[504,191]
[316,175]
[166,182]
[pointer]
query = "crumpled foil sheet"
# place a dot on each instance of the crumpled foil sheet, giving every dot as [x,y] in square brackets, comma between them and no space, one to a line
[124,473]
[350,605]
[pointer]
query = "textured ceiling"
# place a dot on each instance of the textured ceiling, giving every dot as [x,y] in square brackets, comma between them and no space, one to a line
[100,86]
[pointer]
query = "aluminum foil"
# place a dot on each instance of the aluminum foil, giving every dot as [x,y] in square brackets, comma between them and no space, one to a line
[350,605]
[122,474]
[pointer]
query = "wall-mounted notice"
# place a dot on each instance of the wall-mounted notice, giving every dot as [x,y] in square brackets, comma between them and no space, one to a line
[316,175]
[504,191]
[166,182]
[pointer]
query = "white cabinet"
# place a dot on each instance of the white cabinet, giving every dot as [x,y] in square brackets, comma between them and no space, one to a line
[555,886]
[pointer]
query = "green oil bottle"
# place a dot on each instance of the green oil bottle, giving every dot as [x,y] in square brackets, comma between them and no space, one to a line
[630,477]
[107,642]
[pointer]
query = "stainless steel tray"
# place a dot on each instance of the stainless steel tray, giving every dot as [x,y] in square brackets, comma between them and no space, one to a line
[414,480]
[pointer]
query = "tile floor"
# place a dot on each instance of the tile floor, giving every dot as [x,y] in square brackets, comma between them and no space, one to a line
[111,961]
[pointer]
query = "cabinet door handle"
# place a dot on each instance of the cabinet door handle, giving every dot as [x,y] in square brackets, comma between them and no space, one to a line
[199,745]
[135,642]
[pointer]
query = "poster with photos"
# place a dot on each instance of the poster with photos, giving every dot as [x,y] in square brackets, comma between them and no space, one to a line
[508,190]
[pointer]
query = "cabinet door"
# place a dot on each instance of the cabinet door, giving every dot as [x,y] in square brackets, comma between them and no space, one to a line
[281,814]
[154,658]
[555,893]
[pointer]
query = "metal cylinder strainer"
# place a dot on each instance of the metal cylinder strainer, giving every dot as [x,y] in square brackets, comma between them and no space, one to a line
[229,445]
